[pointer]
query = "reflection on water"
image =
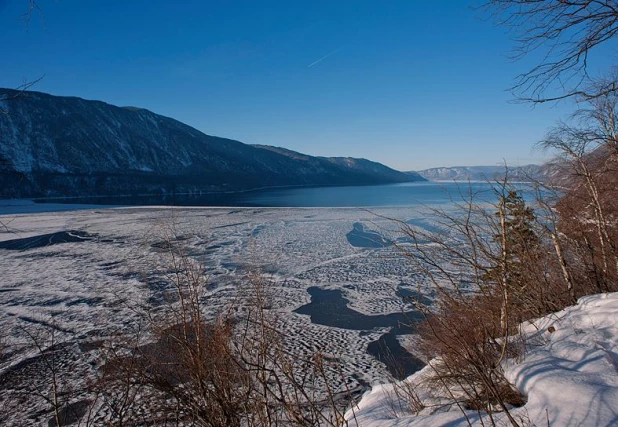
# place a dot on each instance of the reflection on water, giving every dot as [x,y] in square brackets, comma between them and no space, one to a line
[406,194]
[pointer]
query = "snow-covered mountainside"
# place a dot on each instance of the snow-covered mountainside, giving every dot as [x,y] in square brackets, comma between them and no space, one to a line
[483,173]
[66,146]
[569,376]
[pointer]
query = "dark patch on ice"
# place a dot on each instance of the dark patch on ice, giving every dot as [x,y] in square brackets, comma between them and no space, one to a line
[7,290]
[410,296]
[169,245]
[91,302]
[270,268]
[161,359]
[229,225]
[43,240]
[110,265]
[218,246]
[162,246]
[49,302]
[44,323]
[88,346]
[230,266]
[13,302]
[71,413]
[51,254]
[328,307]
[366,385]
[128,275]
[361,238]
[257,230]
[194,252]
[399,362]
[161,292]
[35,369]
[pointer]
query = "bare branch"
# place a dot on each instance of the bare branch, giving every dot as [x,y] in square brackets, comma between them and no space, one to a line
[18,92]
[566,32]
[33,7]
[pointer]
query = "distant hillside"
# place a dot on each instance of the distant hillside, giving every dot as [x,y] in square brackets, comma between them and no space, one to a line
[350,164]
[483,173]
[66,146]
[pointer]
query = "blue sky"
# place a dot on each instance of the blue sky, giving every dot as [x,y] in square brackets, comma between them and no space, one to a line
[412,84]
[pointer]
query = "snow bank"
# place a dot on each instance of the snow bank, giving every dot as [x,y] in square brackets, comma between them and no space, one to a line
[570,376]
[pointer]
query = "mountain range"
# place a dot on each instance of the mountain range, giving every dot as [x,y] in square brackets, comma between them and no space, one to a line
[485,173]
[68,146]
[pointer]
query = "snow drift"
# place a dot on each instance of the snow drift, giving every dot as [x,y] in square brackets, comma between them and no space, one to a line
[569,375]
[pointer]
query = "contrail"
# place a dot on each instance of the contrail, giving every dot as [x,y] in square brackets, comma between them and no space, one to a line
[324,57]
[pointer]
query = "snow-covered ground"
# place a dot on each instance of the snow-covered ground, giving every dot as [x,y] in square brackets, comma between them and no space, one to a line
[569,376]
[89,288]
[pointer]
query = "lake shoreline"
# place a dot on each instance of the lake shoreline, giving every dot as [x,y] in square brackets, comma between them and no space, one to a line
[412,194]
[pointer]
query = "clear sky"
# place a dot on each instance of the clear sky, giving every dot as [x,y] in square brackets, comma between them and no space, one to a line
[412,84]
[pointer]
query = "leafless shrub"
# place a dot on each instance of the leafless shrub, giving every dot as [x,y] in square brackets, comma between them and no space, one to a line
[118,386]
[403,399]
[47,378]
[482,262]
[463,337]
[185,366]
[495,265]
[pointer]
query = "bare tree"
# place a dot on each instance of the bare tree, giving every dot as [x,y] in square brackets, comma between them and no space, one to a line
[566,33]
[588,161]
[189,365]
[495,266]
[475,263]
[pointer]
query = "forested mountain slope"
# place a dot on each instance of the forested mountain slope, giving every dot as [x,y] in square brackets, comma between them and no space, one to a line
[67,146]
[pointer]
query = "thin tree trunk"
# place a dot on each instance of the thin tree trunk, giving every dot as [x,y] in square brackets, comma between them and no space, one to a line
[563,266]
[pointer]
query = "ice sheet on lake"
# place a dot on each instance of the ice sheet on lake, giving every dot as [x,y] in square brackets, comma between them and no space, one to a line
[90,287]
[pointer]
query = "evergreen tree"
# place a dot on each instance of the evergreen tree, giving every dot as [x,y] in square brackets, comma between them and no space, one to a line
[518,242]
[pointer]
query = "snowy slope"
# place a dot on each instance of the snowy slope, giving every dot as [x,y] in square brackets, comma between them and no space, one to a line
[570,376]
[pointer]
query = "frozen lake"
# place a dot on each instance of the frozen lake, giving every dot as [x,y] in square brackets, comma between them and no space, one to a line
[85,272]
